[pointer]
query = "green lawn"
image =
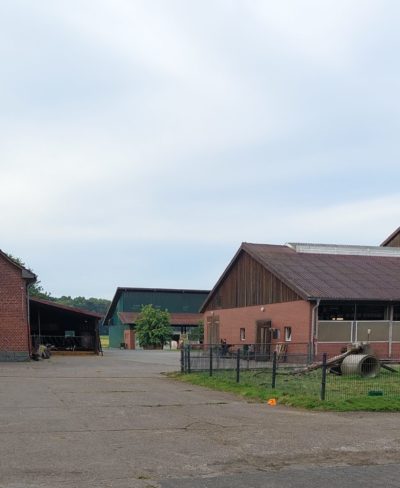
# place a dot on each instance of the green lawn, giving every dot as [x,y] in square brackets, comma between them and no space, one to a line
[343,393]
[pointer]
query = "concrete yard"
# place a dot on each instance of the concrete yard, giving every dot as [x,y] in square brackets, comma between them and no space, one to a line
[115,421]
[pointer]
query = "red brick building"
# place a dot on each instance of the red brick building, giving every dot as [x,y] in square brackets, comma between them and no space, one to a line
[15,341]
[312,298]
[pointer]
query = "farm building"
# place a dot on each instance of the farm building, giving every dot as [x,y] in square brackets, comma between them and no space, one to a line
[393,240]
[183,306]
[15,341]
[310,298]
[65,328]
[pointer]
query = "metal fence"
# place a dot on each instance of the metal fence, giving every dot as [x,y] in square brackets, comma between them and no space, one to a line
[292,371]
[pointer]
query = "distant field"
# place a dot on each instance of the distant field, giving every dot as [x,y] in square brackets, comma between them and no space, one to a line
[105,342]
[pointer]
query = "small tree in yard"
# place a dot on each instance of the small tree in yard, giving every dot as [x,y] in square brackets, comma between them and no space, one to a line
[153,327]
[197,334]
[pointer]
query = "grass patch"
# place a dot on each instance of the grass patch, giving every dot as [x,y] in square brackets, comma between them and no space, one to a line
[105,341]
[343,393]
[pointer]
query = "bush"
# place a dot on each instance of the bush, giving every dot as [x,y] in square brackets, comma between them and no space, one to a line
[153,327]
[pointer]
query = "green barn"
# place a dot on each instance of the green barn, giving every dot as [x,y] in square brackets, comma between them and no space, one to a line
[183,306]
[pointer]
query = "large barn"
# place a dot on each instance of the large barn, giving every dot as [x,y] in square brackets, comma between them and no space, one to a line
[312,298]
[183,306]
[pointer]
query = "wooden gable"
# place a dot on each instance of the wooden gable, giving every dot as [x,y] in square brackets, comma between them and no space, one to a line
[248,283]
[393,240]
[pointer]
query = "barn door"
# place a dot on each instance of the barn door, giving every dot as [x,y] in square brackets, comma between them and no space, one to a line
[213,330]
[263,346]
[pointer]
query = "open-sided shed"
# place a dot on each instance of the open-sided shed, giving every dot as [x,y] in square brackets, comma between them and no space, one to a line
[65,328]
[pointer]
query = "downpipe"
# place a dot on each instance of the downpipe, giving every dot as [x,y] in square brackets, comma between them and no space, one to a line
[314,315]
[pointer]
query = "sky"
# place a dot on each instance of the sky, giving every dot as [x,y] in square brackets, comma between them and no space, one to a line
[141,141]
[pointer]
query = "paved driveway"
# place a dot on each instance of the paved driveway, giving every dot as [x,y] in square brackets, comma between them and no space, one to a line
[115,421]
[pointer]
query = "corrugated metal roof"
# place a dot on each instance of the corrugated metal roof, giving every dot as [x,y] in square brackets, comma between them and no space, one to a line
[332,276]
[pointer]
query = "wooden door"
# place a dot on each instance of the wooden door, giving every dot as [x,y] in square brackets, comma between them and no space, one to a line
[263,335]
[213,330]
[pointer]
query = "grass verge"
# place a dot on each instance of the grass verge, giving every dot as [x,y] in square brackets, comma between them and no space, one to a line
[343,394]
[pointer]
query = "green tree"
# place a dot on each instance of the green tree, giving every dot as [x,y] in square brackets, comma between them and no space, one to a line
[197,334]
[153,327]
[36,290]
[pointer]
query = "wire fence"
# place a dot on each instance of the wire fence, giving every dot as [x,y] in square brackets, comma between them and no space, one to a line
[294,372]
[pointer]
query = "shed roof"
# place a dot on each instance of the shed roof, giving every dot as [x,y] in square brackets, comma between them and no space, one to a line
[329,272]
[55,305]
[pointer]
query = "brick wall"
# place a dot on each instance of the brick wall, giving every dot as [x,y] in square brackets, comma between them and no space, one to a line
[14,330]
[296,315]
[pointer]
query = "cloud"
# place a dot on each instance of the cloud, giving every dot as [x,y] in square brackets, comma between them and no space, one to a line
[181,125]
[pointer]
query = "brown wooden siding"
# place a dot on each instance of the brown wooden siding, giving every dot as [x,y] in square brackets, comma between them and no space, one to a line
[395,242]
[249,283]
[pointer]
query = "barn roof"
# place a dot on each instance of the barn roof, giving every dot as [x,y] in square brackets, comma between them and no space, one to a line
[329,272]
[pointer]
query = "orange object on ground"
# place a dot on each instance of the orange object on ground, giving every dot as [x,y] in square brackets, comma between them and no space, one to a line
[272,402]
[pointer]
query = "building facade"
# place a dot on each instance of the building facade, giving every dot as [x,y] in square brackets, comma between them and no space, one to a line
[15,343]
[183,306]
[311,298]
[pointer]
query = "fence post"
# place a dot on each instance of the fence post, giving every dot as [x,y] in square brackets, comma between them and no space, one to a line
[188,355]
[182,360]
[323,379]
[238,366]
[211,360]
[274,364]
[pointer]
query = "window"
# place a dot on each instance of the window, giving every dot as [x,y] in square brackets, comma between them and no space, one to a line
[288,334]
[370,312]
[242,334]
[336,311]
[276,333]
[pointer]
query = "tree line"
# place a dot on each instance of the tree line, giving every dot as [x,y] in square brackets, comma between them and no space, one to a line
[36,290]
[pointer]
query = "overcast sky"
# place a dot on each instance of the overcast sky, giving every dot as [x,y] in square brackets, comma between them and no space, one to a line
[142,141]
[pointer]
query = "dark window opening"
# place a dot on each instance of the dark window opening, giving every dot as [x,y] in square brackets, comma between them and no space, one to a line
[396,312]
[370,312]
[337,311]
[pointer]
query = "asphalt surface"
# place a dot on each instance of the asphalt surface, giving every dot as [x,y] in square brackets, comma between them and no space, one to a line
[117,421]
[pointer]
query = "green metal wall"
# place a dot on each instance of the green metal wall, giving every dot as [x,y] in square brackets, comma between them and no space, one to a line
[174,302]
[116,335]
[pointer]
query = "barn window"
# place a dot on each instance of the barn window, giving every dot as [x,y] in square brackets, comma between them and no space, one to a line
[242,334]
[276,334]
[288,334]
[370,312]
